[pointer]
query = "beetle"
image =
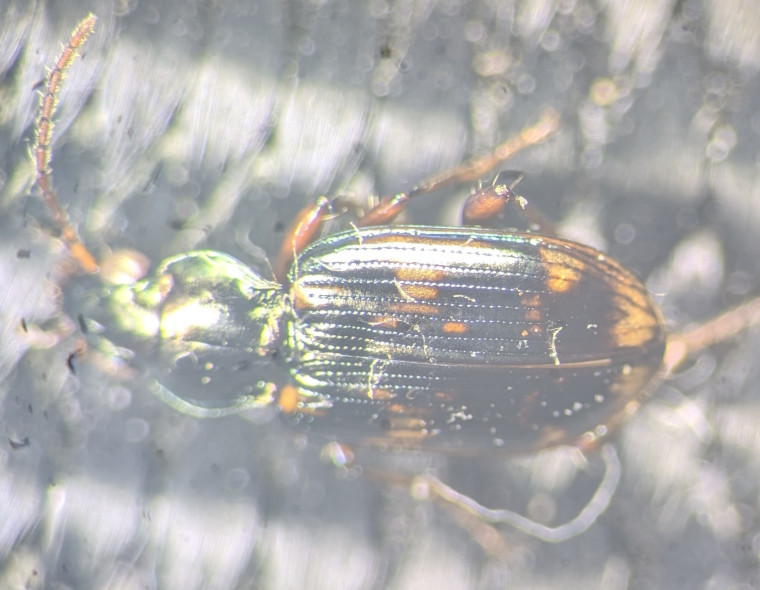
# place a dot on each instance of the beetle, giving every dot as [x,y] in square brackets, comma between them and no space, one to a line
[450,339]
[435,338]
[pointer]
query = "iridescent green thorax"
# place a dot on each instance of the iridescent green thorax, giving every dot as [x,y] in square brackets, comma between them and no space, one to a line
[201,300]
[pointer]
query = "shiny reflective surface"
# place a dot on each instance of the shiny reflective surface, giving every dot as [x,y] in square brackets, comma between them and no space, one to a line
[651,178]
[412,336]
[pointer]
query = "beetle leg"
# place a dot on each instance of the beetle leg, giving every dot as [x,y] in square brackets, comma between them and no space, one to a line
[308,223]
[301,232]
[389,207]
[487,203]
[718,329]
[578,525]
[241,404]
[486,535]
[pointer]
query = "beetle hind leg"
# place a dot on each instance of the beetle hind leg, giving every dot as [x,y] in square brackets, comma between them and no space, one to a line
[551,534]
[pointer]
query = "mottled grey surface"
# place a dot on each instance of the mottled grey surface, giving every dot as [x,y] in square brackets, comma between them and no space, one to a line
[208,124]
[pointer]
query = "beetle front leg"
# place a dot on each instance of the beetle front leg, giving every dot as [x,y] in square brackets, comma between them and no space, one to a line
[307,225]
[301,232]
[261,400]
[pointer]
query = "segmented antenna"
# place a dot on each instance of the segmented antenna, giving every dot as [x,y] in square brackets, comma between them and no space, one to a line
[43,134]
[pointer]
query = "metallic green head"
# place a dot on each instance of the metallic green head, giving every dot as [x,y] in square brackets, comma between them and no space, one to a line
[197,301]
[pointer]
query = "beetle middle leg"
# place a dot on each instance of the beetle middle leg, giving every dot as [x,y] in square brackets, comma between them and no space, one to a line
[487,203]
[308,223]
[389,207]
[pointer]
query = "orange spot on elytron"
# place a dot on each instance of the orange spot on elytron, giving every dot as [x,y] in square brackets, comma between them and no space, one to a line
[414,308]
[300,301]
[403,434]
[454,327]
[418,292]
[641,322]
[563,272]
[411,273]
[288,399]
[397,409]
[533,315]
[532,306]
[380,394]
[388,322]
[312,297]
[406,427]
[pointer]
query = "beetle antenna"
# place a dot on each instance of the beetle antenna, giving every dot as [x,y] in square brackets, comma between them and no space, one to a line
[43,135]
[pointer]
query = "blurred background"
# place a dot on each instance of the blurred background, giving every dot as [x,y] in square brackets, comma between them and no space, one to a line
[209,124]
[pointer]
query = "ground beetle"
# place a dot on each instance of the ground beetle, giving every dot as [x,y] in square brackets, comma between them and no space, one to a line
[457,339]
